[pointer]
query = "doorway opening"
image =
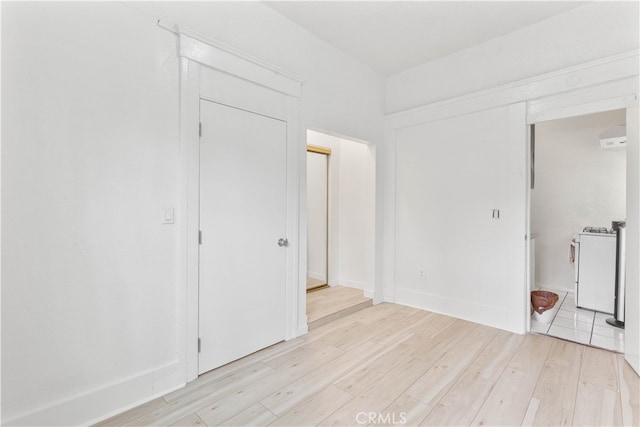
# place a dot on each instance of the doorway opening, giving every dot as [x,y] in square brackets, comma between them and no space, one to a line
[340,226]
[577,197]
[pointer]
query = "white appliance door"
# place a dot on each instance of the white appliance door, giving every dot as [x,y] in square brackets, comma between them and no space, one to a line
[597,272]
[242,217]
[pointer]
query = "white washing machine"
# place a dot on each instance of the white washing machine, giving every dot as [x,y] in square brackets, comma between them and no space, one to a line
[595,270]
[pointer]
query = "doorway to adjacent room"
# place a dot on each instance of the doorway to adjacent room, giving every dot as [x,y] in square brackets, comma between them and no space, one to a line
[340,226]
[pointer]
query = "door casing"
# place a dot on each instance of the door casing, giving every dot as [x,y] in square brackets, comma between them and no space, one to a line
[212,71]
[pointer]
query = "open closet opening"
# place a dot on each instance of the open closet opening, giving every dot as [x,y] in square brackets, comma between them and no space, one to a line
[340,193]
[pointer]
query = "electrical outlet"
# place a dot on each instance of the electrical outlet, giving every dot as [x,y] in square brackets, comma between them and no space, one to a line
[422,274]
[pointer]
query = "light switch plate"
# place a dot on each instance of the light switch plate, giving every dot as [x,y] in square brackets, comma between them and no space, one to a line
[168,215]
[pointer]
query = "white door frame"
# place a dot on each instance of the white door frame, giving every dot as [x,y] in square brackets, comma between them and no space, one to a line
[197,54]
[620,94]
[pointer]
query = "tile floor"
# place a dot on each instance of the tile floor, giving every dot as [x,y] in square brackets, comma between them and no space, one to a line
[580,325]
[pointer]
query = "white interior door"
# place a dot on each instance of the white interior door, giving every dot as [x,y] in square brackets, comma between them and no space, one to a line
[317,174]
[242,217]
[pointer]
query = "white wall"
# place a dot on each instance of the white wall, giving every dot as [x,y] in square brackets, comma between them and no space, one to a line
[589,32]
[351,209]
[356,213]
[452,254]
[89,311]
[577,185]
[89,149]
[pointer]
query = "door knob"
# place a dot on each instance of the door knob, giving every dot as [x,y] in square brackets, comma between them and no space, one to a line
[283,242]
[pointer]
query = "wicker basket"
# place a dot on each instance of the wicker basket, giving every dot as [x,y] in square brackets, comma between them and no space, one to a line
[543,300]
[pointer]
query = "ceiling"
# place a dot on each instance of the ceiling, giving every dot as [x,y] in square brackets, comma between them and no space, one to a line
[392,36]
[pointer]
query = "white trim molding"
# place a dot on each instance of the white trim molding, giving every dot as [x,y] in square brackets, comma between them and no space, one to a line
[584,76]
[211,70]
[609,96]
[218,55]
[123,394]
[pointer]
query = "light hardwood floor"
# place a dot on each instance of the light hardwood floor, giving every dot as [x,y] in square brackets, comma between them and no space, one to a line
[389,364]
[331,303]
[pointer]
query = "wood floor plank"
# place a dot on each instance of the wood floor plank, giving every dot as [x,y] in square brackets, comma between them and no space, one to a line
[629,393]
[134,413]
[493,359]
[383,328]
[354,335]
[201,397]
[295,355]
[597,405]
[439,378]
[461,403]
[541,413]
[255,415]
[377,313]
[351,333]
[380,395]
[600,367]
[531,355]
[438,345]
[191,420]
[558,382]
[316,408]
[246,374]
[243,398]
[366,374]
[436,324]
[405,329]
[328,329]
[266,354]
[405,410]
[300,390]
[507,403]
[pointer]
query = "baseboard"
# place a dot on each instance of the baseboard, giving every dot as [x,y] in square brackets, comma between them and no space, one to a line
[390,298]
[104,402]
[496,317]
[352,284]
[302,329]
